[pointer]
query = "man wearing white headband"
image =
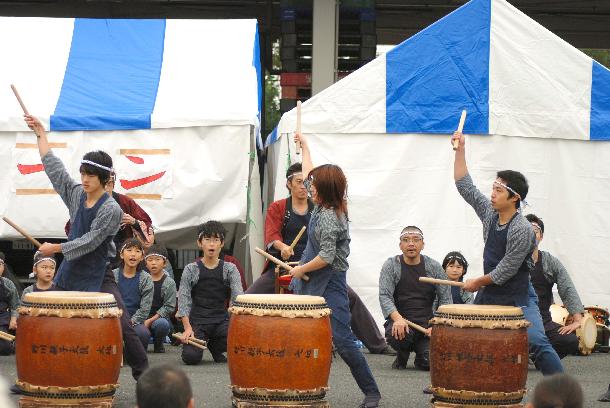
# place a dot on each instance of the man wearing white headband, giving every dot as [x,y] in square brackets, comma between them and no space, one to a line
[403,297]
[94,218]
[547,272]
[507,257]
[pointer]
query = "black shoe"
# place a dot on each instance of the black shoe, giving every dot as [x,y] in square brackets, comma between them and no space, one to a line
[370,401]
[400,363]
[605,397]
[158,346]
[219,358]
[15,389]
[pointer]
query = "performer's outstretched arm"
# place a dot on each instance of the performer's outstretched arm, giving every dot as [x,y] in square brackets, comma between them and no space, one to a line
[35,124]
[459,165]
[307,164]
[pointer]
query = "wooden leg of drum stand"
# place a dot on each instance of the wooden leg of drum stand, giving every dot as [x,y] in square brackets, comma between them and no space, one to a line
[239,403]
[35,402]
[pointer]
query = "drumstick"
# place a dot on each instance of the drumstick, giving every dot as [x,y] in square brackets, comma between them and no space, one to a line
[417,327]
[22,232]
[456,142]
[298,144]
[25,110]
[441,281]
[299,235]
[192,341]
[278,262]
[6,336]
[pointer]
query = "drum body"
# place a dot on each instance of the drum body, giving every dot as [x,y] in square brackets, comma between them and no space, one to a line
[69,349]
[586,333]
[279,350]
[478,356]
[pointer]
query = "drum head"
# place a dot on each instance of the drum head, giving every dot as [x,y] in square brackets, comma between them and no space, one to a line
[587,334]
[480,310]
[64,297]
[559,314]
[281,299]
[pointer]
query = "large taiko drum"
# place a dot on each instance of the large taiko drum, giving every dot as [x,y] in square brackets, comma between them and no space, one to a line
[69,349]
[279,350]
[586,333]
[478,356]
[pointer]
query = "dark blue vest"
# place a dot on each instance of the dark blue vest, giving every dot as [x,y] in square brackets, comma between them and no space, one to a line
[513,292]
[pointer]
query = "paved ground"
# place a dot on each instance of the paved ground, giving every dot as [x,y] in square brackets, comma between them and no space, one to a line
[399,388]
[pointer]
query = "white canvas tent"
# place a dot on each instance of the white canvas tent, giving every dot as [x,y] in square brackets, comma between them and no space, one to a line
[535,104]
[177,109]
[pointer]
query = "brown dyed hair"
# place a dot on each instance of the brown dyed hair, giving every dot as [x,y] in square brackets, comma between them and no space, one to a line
[331,186]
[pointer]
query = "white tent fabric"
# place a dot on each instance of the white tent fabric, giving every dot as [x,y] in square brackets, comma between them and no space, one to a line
[177,112]
[535,104]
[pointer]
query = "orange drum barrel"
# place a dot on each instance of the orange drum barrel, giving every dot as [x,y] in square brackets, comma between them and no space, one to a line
[279,350]
[69,349]
[478,356]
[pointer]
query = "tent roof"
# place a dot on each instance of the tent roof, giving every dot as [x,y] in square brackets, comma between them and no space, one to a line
[98,74]
[513,76]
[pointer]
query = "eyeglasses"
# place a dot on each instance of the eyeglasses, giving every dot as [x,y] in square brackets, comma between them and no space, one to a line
[209,240]
[411,240]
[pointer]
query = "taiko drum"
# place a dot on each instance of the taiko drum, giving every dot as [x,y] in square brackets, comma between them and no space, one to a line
[279,350]
[478,356]
[69,349]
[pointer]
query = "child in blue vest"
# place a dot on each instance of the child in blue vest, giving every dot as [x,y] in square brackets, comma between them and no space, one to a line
[205,286]
[9,301]
[44,271]
[136,286]
[163,306]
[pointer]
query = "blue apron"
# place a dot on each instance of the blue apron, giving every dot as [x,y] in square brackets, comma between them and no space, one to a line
[85,273]
[513,292]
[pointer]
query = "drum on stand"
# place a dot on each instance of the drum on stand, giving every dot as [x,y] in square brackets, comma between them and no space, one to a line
[586,333]
[478,356]
[279,350]
[69,349]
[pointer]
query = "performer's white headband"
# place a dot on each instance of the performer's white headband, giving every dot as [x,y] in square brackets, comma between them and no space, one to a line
[110,169]
[294,175]
[155,254]
[45,259]
[132,246]
[535,225]
[500,184]
[417,233]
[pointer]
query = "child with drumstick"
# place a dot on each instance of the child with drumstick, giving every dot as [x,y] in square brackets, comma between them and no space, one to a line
[44,271]
[9,301]
[325,262]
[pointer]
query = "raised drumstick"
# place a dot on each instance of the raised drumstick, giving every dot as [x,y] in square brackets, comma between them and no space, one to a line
[299,235]
[192,341]
[278,262]
[456,142]
[298,130]
[22,232]
[25,110]
[441,281]
[6,336]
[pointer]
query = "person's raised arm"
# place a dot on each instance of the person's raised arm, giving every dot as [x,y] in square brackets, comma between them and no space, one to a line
[35,124]
[307,164]
[459,165]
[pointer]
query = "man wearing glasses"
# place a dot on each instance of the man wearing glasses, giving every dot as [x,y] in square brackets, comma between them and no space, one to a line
[403,297]
[507,256]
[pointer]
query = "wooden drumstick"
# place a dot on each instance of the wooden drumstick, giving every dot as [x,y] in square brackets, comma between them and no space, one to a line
[299,235]
[456,142]
[417,327]
[298,130]
[22,232]
[200,344]
[25,110]
[6,336]
[278,262]
[441,281]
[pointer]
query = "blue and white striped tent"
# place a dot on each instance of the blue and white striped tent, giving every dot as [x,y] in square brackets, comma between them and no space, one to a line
[535,104]
[170,100]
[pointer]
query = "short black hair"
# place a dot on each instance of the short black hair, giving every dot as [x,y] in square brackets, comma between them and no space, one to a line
[294,168]
[211,229]
[558,391]
[456,256]
[131,243]
[516,181]
[534,218]
[2,256]
[99,157]
[163,386]
[157,249]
